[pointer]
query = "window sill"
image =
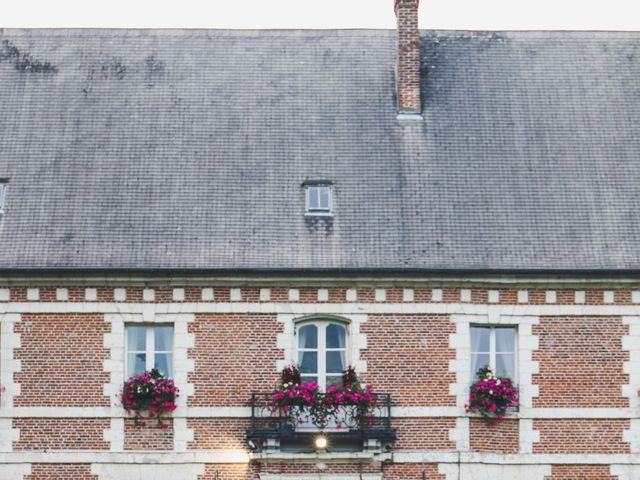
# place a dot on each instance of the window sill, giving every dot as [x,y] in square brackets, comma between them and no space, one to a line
[511,415]
[318,214]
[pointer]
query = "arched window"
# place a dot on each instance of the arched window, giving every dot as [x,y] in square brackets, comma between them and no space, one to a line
[322,351]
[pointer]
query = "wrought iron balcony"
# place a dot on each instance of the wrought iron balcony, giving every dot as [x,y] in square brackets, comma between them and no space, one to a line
[274,429]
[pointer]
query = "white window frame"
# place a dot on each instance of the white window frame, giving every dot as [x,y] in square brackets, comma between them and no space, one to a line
[492,349]
[150,343]
[3,191]
[321,350]
[319,211]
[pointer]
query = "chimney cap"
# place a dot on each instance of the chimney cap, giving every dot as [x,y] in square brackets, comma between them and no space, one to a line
[408,3]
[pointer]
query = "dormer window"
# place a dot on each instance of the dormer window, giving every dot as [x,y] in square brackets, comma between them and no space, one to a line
[319,201]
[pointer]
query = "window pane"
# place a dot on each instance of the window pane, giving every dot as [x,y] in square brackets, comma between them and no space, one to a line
[478,360]
[335,362]
[136,338]
[324,198]
[313,198]
[136,363]
[336,335]
[480,339]
[308,337]
[334,380]
[164,339]
[505,340]
[308,378]
[308,362]
[163,364]
[506,365]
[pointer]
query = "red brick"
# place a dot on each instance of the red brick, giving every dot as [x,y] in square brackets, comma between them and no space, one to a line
[234,355]
[412,471]
[148,436]
[424,433]
[581,362]
[52,471]
[62,359]
[581,436]
[408,356]
[218,433]
[61,433]
[503,437]
[580,472]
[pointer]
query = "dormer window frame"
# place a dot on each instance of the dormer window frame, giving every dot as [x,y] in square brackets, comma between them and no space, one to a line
[314,202]
[3,193]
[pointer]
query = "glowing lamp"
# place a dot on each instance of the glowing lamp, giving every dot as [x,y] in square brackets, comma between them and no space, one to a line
[320,442]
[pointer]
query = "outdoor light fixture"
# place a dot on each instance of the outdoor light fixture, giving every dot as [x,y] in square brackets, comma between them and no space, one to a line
[320,443]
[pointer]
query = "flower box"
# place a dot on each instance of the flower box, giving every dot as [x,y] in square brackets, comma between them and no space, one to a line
[149,395]
[492,397]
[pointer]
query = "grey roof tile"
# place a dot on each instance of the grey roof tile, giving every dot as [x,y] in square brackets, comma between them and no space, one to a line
[187,150]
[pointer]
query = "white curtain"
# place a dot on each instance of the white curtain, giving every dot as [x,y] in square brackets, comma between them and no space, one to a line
[505,340]
[336,336]
[479,349]
[307,337]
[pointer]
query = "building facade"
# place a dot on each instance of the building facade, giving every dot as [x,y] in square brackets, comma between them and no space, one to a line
[65,354]
[416,205]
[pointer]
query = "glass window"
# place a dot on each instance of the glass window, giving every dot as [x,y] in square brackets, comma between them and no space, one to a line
[318,198]
[495,347]
[148,347]
[3,189]
[322,352]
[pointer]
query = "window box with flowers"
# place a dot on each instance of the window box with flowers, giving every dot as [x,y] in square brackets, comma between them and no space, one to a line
[492,397]
[149,395]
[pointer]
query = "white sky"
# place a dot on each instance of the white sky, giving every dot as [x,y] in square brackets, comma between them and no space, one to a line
[435,14]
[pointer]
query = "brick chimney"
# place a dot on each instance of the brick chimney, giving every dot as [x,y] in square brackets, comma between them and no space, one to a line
[408,57]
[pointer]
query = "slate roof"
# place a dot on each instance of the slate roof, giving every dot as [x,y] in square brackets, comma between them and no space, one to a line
[187,150]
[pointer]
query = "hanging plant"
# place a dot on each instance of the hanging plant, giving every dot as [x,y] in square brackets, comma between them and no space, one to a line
[151,393]
[492,397]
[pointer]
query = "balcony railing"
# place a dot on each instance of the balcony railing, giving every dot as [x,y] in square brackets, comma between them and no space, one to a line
[352,430]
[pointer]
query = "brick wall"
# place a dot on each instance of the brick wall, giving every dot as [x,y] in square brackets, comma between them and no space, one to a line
[424,433]
[150,436]
[234,354]
[61,472]
[412,472]
[61,359]
[502,437]
[230,472]
[218,433]
[581,436]
[277,294]
[408,356]
[581,472]
[60,434]
[581,362]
